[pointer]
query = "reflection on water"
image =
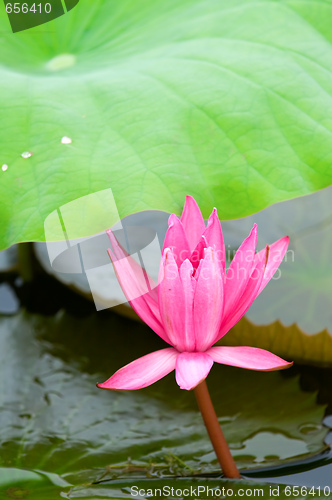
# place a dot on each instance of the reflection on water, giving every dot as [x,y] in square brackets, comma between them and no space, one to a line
[281,445]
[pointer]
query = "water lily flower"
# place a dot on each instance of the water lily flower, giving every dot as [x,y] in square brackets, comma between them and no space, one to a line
[196,302]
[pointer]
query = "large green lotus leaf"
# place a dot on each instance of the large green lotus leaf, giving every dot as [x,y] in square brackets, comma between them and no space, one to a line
[53,418]
[228,101]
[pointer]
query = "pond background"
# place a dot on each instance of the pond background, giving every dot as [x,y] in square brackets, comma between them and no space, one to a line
[123,108]
[61,435]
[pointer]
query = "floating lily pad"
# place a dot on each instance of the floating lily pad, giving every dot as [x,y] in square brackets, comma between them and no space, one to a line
[53,419]
[118,489]
[195,488]
[20,484]
[230,102]
[287,341]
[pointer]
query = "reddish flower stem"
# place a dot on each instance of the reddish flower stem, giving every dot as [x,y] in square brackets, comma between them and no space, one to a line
[216,435]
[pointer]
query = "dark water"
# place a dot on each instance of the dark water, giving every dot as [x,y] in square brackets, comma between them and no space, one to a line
[47,296]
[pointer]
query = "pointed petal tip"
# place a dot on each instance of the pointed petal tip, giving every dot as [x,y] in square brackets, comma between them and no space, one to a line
[288,364]
[191,204]
[109,233]
[192,222]
[112,238]
[189,197]
[251,236]
[283,240]
[213,216]
[283,366]
[186,264]
[102,385]
[172,219]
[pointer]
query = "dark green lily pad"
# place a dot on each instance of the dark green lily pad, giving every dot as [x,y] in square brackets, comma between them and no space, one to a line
[227,101]
[53,418]
[193,488]
[20,484]
[32,488]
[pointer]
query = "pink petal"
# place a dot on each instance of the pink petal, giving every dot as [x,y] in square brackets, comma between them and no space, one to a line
[176,293]
[208,301]
[133,282]
[143,371]
[214,237]
[192,222]
[251,358]
[119,254]
[176,240]
[239,271]
[198,254]
[192,368]
[248,296]
[188,286]
[276,254]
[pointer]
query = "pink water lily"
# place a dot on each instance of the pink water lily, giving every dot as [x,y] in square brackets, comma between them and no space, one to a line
[196,302]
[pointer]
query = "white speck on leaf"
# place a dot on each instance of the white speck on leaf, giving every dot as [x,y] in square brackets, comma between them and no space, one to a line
[66,140]
[26,154]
